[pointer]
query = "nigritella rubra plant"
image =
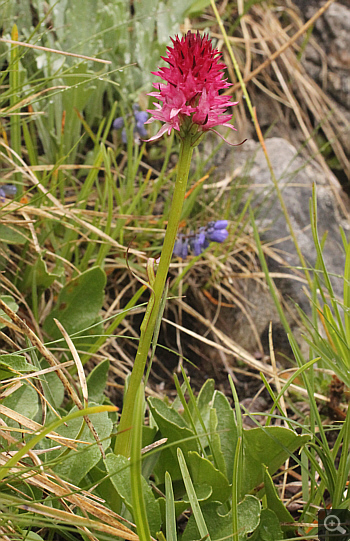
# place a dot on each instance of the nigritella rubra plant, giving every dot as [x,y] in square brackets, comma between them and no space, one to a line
[191,104]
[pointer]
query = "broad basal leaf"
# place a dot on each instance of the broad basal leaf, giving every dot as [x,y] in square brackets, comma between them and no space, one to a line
[78,303]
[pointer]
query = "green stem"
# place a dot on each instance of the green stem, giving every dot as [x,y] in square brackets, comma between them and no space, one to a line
[123,439]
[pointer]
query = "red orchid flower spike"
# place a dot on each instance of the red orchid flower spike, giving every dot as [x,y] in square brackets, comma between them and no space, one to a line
[189,100]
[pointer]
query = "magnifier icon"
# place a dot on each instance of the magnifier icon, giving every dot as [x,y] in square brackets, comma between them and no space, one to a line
[332,524]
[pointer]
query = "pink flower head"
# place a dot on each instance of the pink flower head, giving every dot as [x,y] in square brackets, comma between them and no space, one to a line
[190,99]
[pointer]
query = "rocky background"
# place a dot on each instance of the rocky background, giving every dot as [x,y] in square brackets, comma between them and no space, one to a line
[321,86]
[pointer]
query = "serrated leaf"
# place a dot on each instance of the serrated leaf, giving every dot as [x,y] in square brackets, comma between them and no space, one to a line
[78,303]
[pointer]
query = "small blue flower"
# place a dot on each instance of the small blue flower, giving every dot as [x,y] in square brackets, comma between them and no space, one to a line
[220,224]
[140,117]
[198,242]
[216,231]
[7,189]
[181,247]
[118,123]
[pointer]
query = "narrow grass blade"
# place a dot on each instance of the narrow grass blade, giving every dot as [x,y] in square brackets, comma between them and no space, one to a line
[236,482]
[187,409]
[346,294]
[313,215]
[170,518]
[78,364]
[342,474]
[191,493]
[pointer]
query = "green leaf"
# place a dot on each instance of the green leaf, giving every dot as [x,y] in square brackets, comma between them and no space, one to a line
[53,387]
[274,502]
[173,427]
[215,442]
[38,271]
[269,446]
[118,468]
[204,404]
[75,465]
[204,473]
[169,15]
[220,525]
[205,396]
[12,235]
[78,303]
[97,381]
[227,430]
[25,401]
[14,363]
[202,492]
[31,536]
[10,302]
[197,7]
[269,528]
[249,511]
[104,486]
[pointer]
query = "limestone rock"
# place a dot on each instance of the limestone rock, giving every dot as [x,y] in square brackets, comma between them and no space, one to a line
[295,178]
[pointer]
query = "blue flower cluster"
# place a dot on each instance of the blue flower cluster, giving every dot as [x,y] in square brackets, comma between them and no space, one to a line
[140,118]
[7,189]
[198,242]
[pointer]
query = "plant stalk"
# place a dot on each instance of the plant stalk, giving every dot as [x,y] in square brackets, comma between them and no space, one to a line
[123,440]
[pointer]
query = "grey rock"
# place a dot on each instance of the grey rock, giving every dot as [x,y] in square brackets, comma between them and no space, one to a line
[295,179]
[332,32]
